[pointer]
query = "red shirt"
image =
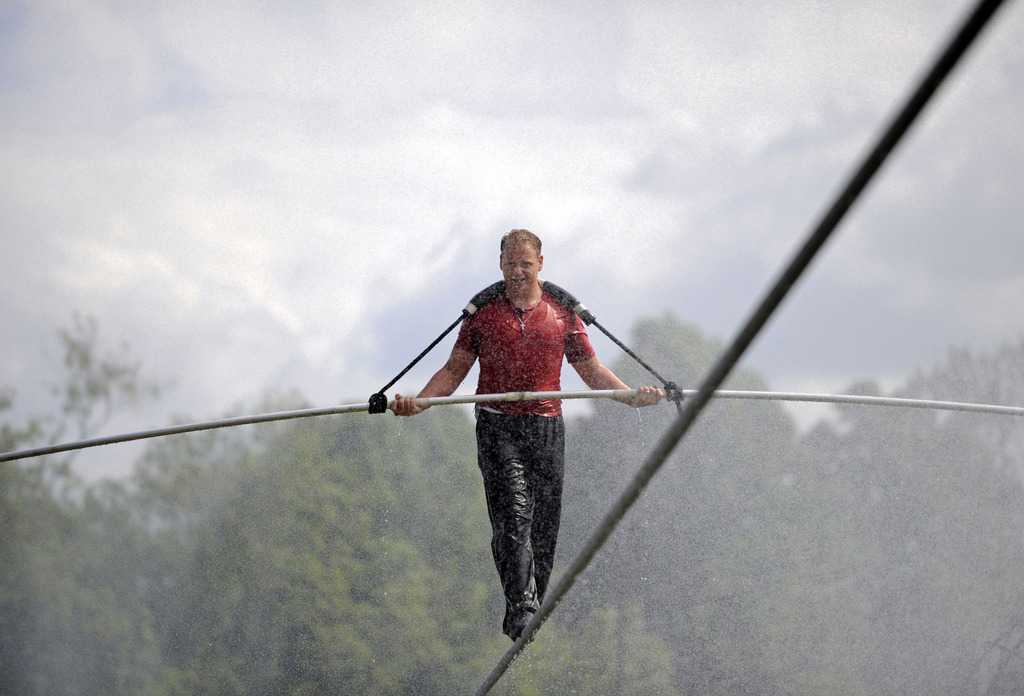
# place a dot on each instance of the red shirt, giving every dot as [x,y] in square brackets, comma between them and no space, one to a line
[524,352]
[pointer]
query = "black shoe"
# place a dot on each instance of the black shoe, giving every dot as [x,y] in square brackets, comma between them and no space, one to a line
[518,624]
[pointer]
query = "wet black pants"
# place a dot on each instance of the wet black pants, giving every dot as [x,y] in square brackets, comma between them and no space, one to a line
[522,459]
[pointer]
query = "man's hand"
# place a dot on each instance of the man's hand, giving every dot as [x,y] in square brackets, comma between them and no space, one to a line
[646,396]
[405,406]
[597,376]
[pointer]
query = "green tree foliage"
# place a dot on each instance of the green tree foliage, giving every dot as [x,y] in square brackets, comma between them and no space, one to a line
[871,556]
[96,385]
[330,556]
[612,652]
[932,529]
[879,553]
[71,621]
[12,436]
[988,378]
[701,544]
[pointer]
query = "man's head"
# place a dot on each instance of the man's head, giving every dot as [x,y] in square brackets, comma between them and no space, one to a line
[520,262]
[518,237]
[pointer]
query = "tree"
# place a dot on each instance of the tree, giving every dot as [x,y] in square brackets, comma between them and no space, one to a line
[931,513]
[877,554]
[704,545]
[612,652]
[14,437]
[989,378]
[96,385]
[70,622]
[325,556]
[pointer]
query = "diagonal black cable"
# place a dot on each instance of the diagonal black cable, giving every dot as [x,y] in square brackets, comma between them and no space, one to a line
[672,391]
[569,301]
[378,401]
[776,294]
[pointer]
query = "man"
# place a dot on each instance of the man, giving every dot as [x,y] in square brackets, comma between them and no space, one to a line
[520,340]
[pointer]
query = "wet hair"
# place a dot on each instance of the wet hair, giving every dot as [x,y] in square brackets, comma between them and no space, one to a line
[518,237]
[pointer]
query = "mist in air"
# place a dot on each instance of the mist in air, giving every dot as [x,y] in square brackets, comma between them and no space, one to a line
[247,208]
[878,552]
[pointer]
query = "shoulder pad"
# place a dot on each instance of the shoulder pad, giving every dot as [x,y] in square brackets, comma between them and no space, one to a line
[563,297]
[488,294]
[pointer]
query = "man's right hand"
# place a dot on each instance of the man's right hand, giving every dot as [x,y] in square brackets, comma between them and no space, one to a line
[444,382]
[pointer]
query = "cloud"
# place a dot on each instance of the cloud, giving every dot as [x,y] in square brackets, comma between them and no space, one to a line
[284,194]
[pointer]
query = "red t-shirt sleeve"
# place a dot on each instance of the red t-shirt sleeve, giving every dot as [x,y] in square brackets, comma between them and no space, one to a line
[467,339]
[577,343]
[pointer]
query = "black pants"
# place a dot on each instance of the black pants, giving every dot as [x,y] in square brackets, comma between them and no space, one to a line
[522,459]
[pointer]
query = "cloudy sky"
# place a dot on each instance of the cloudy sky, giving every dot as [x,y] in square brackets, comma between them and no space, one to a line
[271,195]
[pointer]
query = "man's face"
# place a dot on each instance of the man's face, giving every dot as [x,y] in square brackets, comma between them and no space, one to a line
[520,265]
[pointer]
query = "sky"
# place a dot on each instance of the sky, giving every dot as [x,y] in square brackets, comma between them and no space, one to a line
[259,197]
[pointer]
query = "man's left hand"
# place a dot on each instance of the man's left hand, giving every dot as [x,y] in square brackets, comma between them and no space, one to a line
[646,396]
